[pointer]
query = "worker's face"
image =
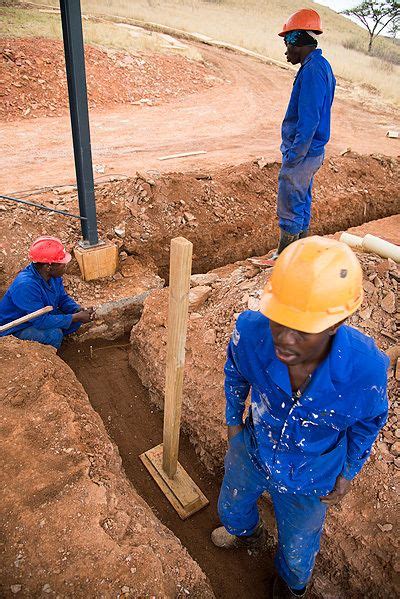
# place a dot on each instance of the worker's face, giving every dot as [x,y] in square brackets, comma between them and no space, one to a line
[294,347]
[293,54]
[56,270]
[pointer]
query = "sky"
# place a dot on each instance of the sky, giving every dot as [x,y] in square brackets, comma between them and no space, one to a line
[339,5]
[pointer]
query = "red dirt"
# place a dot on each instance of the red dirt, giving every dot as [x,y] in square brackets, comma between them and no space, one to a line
[33,81]
[72,525]
[235,120]
[358,556]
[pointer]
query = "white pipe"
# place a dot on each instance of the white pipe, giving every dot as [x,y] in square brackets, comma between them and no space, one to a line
[383,248]
[354,241]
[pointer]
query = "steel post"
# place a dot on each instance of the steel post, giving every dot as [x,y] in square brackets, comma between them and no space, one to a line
[75,66]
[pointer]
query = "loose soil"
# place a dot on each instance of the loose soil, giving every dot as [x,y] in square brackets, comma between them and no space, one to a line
[71,523]
[33,81]
[116,393]
[235,117]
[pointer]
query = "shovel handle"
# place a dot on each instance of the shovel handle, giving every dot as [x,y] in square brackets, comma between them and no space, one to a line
[25,318]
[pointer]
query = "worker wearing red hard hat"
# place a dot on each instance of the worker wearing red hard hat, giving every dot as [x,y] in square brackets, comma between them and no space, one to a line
[39,285]
[318,398]
[306,126]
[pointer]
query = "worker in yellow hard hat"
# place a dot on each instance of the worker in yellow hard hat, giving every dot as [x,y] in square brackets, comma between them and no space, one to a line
[318,401]
[306,126]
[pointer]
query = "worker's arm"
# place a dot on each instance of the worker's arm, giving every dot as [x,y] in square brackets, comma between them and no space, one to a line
[28,298]
[311,100]
[360,438]
[66,303]
[236,391]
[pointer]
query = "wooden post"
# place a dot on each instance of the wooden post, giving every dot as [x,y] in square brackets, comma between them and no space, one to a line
[26,318]
[162,461]
[179,285]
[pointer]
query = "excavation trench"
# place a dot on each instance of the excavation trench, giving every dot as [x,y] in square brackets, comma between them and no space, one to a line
[135,425]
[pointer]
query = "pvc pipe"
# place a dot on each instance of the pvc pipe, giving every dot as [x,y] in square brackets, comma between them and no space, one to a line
[383,248]
[354,241]
[26,318]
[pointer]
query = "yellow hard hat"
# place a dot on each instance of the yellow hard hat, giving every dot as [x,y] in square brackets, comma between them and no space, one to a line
[316,283]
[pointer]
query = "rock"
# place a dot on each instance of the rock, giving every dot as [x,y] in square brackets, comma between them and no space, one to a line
[120,230]
[393,353]
[189,216]
[395,449]
[203,279]
[389,303]
[253,303]
[15,588]
[397,433]
[397,462]
[210,336]
[397,371]
[366,313]
[125,589]
[385,527]
[117,276]
[198,296]
[368,287]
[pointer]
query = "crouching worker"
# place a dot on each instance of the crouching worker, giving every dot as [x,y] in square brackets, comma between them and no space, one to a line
[39,285]
[318,401]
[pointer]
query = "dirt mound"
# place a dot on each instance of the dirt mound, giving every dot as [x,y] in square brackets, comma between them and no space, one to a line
[33,81]
[358,553]
[64,491]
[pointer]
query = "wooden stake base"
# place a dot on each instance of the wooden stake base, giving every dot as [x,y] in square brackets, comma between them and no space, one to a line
[181,491]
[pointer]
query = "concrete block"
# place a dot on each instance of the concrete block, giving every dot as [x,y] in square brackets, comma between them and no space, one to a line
[98,261]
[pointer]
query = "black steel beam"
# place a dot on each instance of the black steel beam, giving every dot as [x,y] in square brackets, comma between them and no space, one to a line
[76,77]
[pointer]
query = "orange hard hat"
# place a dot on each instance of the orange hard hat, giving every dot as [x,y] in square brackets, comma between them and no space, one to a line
[306,19]
[48,250]
[315,283]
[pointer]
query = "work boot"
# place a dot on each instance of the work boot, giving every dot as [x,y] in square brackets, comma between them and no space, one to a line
[303,234]
[285,240]
[281,590]
[222,538]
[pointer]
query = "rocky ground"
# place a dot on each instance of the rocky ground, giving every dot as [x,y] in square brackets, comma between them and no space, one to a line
[71,523]
[33,81]
[359,548]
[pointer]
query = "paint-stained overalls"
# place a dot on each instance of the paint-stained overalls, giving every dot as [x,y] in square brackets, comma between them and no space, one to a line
[305,132]
[295,446]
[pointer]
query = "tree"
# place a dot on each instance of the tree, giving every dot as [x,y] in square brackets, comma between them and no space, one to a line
[375,15]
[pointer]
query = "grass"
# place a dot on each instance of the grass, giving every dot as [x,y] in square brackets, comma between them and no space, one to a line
[255,24]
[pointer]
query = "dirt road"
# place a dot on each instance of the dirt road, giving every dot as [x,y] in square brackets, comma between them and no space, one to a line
[235,121]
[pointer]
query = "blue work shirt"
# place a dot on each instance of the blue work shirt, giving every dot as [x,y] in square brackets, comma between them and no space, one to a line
[29,292]
[307,124]
[303,443]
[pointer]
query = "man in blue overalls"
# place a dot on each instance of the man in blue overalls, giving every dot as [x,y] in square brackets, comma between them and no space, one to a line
[306,126]
[39,285]
[318,401]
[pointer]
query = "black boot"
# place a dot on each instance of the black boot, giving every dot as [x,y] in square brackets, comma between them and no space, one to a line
[281,590]
[285,240]
[303,234]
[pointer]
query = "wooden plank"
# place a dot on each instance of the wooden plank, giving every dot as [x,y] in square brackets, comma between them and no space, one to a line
[182,155]
[173,496]
[179,286]
[26,318]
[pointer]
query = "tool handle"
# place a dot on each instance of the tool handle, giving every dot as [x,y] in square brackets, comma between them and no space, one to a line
[25,318]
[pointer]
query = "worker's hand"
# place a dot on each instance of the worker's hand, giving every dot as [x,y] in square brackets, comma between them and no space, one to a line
[234,430]
[341,488]
[83,316]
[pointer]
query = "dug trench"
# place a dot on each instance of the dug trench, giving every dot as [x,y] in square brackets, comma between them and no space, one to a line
[118,396]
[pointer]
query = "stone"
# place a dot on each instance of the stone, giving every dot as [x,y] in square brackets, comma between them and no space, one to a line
[395,449]
[204,279]
[198,296]
[397,433]
[385,527]
[389,303]
[253,303]
[210,337]
[189,216]
[368,287]
[15,588]
[397,371]
[120,230]
[393,353]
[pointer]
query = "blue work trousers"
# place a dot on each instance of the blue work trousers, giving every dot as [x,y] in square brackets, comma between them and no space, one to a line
[299,518]
[52,337]
[294,193]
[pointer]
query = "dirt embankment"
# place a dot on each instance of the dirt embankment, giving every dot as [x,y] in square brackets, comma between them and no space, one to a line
[33,80]
[359,547]
[64,492]
[229,214]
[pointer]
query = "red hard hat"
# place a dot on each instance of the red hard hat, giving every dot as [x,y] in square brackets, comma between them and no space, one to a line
[49,250]
[305,19]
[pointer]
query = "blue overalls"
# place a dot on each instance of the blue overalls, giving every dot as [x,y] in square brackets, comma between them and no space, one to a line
[294,447]
[29,292]
[305,132]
